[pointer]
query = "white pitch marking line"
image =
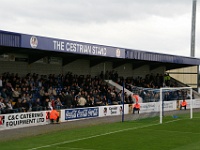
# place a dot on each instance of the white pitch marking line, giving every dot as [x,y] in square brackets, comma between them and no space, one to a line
[94,136]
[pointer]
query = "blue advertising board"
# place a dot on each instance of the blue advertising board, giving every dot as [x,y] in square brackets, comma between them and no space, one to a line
[59,45]
[78,113]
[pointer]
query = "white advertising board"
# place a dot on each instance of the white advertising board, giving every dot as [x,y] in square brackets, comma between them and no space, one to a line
[170,105]
[18,120]
[110,110]
[195,104]
[148,107]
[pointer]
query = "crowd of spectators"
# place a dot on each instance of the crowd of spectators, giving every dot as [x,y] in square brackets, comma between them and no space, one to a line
[148,87]
[34,92]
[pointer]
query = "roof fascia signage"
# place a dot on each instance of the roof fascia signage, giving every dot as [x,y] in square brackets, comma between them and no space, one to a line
[59,45]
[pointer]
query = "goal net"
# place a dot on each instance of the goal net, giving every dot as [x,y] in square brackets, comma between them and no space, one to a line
[175,102]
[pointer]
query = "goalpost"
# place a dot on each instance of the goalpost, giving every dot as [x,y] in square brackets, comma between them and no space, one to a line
[162,90]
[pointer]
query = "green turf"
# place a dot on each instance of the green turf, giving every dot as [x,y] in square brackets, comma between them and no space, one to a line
[145,134]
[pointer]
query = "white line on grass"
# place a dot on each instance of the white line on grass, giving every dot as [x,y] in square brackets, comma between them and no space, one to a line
[94,136]
[172,121]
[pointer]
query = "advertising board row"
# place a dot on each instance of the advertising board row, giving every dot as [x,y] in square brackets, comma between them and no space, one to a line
[18,120]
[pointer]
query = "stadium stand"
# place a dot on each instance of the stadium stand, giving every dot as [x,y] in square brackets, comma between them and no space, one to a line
[34,92]
[36,73]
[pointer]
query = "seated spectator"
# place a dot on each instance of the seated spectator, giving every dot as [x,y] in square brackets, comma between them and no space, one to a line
[69,99]
[75,102]
[52,103]
[9,107]
[4,93]
[90,101]
[109,96]
[113,97]
[25,105]
[119,97]
[18,105]
[58,104]
[48,104]
[98,101]
[36,105]
[63,97]
[52,92]
[82,102]
[41,92]
[126,98]
[23,96]
[2,106]
[15,94]
[104,100]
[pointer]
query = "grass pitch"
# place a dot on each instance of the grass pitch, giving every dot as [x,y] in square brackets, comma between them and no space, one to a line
[176,133]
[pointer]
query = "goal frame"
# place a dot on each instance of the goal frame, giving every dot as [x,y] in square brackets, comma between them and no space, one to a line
[174,88]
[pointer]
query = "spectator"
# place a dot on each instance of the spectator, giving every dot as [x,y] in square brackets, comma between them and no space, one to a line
[63,98]
[126,98]
[58,104]
[36,105]
[42,92]
[98,101]
[18,105]
[109,97]
[104,100]
[9,107]
[4,93]
[52,92]
[69,99]
[2,106]
[15,94]
[25,105]
[51,103]
[75,102]
[44,99]
[48,104]
[90,101]
[119,97]
[81,101]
